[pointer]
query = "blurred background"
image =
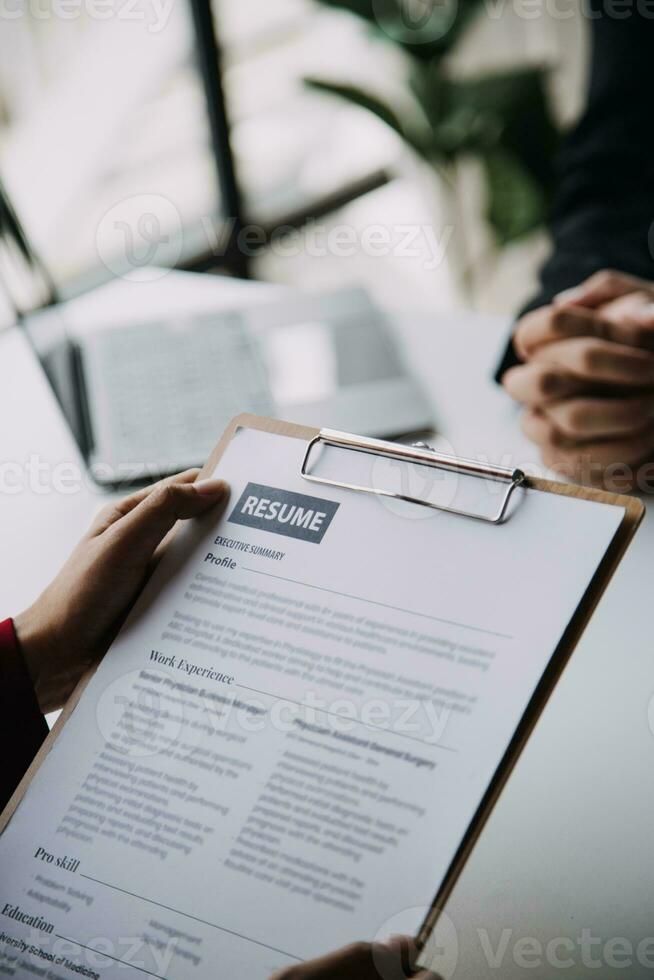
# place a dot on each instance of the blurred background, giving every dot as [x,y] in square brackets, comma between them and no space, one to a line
[353,127]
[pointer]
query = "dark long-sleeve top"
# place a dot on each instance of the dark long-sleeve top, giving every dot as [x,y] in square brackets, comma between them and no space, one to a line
[22,726]
[603,209]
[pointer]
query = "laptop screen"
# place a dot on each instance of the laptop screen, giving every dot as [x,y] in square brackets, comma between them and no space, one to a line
[49,338]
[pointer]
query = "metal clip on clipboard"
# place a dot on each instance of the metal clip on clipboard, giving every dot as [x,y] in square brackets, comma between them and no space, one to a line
[418,453]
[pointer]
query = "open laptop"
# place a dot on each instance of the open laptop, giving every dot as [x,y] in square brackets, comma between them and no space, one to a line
[147,399]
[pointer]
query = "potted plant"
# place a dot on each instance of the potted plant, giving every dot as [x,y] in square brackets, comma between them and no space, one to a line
[500,118]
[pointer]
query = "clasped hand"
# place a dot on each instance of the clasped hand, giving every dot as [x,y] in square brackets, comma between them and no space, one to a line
[587,381]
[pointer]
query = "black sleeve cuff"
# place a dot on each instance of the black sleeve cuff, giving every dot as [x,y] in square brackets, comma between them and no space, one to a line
[22,726]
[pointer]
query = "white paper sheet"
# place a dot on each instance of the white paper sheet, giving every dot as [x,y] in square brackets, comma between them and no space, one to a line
[283,748]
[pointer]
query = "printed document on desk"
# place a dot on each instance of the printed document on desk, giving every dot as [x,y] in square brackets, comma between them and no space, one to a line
[285,745]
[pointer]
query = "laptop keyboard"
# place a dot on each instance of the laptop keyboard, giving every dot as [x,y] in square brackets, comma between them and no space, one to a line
[161,394]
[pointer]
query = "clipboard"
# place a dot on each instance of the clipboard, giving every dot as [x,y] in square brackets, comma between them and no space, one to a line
[511,480]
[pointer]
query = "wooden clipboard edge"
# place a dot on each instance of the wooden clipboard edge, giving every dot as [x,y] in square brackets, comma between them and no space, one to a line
[244,421]
[262,424]
[634,511]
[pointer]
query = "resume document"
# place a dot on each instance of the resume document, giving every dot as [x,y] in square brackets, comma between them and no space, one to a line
[284,747]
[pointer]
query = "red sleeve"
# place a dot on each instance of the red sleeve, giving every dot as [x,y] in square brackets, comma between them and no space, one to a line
[22,726]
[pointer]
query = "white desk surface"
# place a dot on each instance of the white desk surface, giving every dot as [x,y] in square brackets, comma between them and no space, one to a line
[568,846]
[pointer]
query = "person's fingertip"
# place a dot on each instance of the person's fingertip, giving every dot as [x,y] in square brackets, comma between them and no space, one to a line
[644,315]
[210,487]
[568,296]
[510,374]
[186,476]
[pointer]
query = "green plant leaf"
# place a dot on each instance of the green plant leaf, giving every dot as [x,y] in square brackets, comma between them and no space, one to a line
[508,110]
[361,8]
[502,118]
[416,136]
[516,203]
